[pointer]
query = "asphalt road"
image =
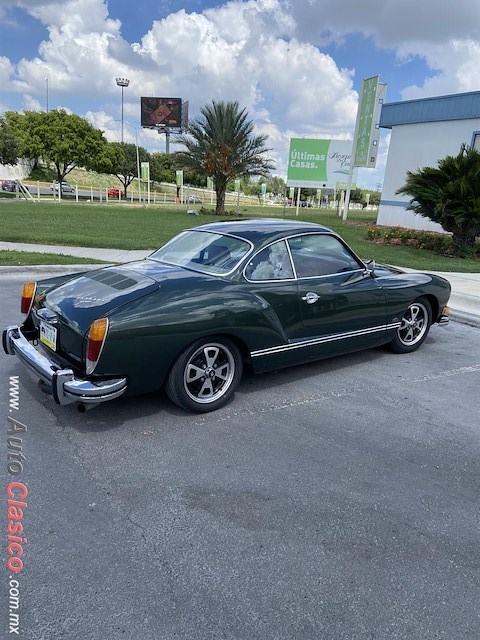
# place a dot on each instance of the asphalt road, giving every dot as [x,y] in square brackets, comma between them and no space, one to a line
[334,501]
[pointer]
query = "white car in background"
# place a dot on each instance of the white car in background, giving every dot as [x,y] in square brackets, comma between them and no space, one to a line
[66,188]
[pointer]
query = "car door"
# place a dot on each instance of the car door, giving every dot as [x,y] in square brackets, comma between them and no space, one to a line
[343,307]
[270,275]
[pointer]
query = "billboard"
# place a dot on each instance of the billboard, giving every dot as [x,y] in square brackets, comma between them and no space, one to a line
[164,112]
[318,164]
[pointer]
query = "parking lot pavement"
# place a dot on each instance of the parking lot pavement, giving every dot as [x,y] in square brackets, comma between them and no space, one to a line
[336,500]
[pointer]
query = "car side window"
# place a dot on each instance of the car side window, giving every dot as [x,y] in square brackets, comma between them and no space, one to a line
[272,263]
[320,255]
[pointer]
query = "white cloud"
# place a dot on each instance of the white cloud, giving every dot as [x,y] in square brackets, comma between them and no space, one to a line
[391,22]
[263,53]
[458,65]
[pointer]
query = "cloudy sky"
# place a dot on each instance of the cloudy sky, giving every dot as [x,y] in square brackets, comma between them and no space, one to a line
[296,65]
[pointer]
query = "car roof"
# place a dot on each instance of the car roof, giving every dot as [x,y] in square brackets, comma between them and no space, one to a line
[260,230]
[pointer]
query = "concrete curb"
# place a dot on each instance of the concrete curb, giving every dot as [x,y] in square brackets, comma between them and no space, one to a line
[26,272]
[463,317]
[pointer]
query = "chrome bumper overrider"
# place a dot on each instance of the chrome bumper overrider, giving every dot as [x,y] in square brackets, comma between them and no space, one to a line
[61,383]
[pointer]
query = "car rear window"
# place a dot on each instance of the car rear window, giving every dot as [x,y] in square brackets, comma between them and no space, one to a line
[203,251]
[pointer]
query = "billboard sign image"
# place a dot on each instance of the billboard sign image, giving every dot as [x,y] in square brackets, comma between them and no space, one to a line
[166,112]
[316,163]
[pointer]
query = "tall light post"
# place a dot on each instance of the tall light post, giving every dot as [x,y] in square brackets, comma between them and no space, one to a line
[122,82]
[46,92]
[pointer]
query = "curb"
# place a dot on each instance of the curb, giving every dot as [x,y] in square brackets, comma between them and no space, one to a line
[49,268]
[463,317]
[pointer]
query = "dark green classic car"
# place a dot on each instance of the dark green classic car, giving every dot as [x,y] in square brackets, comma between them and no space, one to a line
[266,293]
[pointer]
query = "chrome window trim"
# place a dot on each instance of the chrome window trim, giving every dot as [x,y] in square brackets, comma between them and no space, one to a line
[292,279]
[361,264]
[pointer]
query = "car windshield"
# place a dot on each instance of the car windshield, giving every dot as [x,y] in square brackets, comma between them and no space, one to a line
[203,251]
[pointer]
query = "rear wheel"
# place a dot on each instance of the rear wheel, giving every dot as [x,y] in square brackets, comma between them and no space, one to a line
[414,327]
[205,375]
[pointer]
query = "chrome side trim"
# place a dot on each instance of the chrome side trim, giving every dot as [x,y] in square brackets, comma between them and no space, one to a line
[310,342]
[63,385]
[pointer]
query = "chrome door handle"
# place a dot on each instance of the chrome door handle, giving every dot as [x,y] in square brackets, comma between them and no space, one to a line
[310,297]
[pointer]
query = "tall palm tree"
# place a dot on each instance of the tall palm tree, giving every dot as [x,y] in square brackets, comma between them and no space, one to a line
[221,144]
[449,195]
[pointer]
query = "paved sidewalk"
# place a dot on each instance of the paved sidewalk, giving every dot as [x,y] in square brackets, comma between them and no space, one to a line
[464,301]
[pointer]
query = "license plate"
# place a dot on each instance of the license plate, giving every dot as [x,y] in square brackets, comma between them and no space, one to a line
[48,335]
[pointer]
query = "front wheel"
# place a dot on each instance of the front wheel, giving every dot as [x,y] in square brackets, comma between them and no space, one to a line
[414,327]
[205,375]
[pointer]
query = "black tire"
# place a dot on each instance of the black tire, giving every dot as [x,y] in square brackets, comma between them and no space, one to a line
[414,328]
[206,375]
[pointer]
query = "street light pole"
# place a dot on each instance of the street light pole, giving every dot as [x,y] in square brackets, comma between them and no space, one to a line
[46,91]
[122,82]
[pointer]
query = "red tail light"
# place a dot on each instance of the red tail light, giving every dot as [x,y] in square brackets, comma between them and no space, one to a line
[28,294]
[96,338]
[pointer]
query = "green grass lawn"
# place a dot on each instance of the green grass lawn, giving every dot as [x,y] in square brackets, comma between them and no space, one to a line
[21,258]
[137,227]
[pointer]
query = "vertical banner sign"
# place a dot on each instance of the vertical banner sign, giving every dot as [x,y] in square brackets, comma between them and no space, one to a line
[263,188]
[179,176]
[291,193]
[145,170]
[237,185]
[368,119]
[210,184]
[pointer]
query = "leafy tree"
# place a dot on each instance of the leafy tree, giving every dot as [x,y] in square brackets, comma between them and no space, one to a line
[163,167]
[124,164]
[450,195]
[8,143]
[221,143]
[357,195]
[62,139]
[276,185]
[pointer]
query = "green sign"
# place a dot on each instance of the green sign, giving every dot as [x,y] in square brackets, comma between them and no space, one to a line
[210,184]
[237,185]
[145,171]
[367,130]
[307,162]
[179,175]
[319,164]
[263,187]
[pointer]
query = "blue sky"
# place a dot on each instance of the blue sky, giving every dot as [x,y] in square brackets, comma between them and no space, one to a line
[296,65]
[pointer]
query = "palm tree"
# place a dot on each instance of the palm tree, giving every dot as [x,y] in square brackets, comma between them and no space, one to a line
[449,195]
[221,144]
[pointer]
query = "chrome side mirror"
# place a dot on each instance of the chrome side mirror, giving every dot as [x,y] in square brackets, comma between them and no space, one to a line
[370,267]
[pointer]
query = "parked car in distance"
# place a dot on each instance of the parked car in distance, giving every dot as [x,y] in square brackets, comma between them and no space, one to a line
[193,198]
[66,188]
[113,192]
[9,185]
[260,293]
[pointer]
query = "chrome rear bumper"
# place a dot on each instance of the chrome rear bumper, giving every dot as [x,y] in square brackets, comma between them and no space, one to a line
[61,383]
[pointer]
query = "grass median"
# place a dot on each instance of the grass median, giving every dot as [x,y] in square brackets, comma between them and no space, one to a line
[137,227]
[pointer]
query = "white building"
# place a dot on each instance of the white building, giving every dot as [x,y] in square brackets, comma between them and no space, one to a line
[423,132]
